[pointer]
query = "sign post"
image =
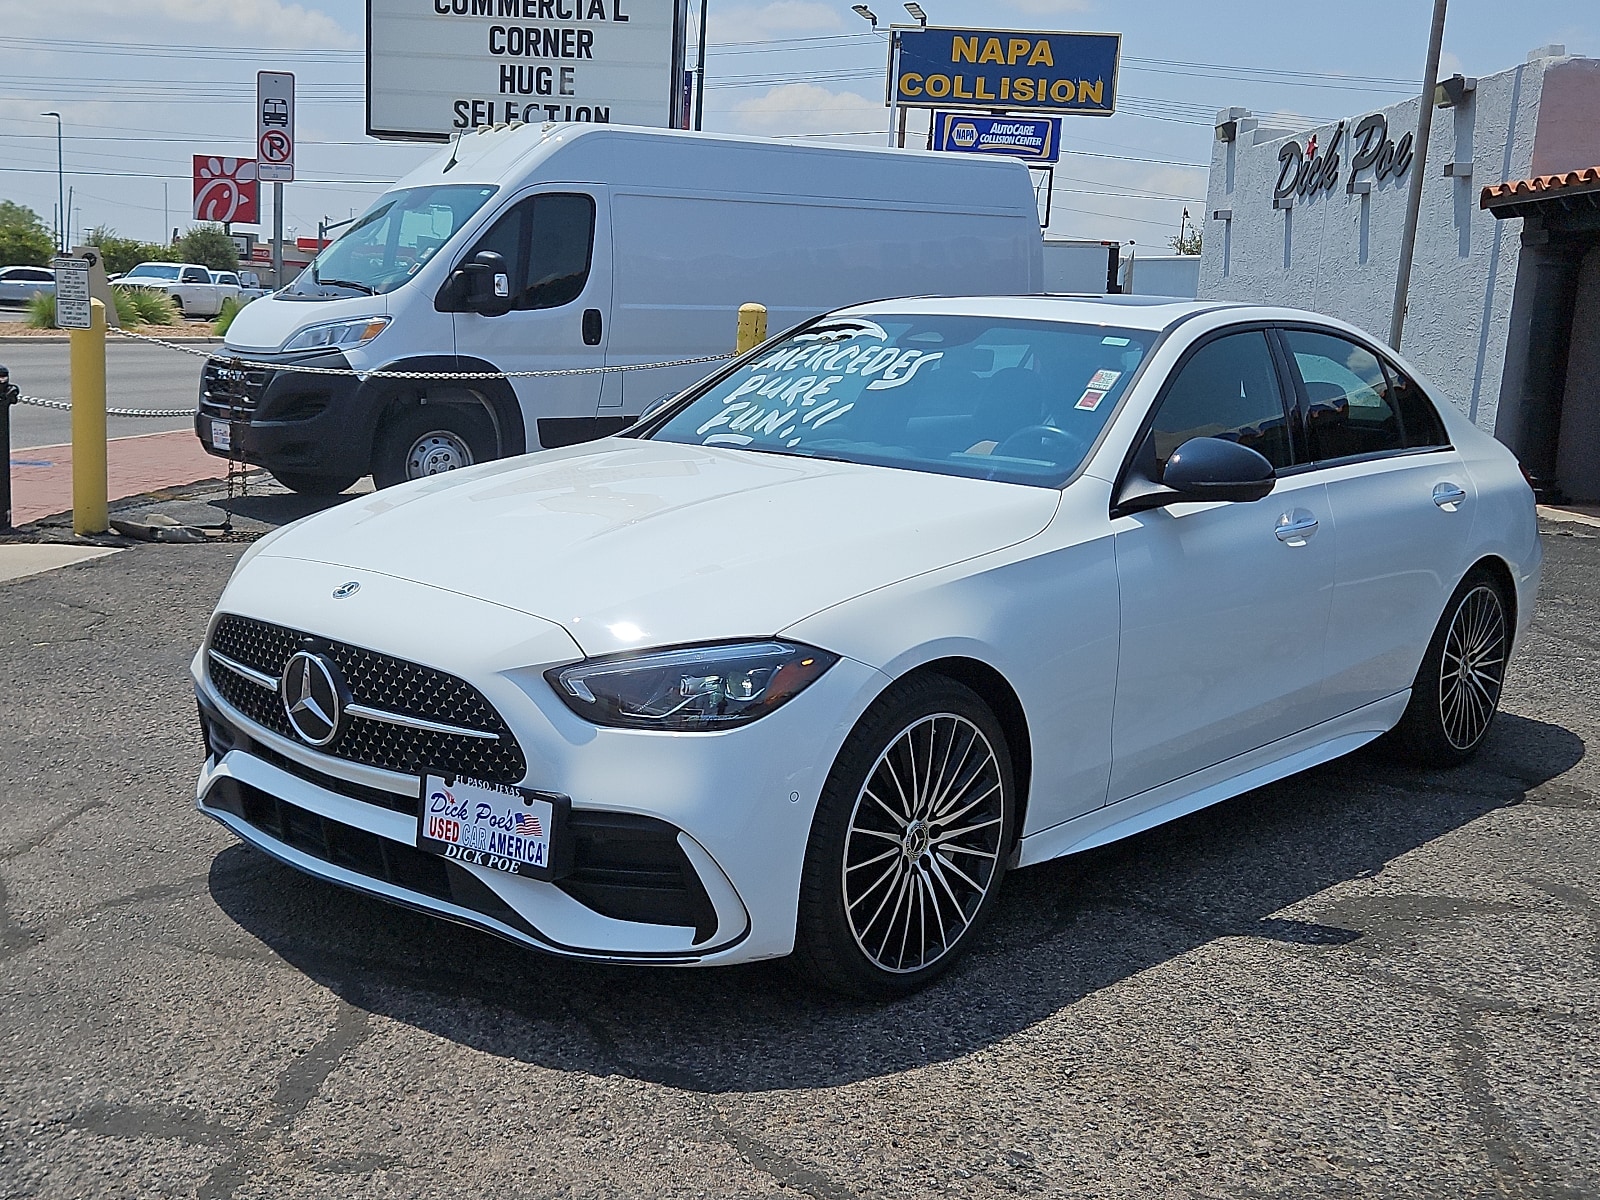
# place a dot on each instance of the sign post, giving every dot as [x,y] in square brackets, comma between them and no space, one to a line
[275,150]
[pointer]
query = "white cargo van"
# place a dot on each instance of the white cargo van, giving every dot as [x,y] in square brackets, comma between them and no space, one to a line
[549,248]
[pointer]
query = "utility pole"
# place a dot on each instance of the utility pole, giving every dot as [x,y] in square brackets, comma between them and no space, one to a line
[1419,173]
[700,74]
[61,188]
[166,218]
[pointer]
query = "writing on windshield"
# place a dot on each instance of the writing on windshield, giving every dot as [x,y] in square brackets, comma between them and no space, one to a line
[1020,401]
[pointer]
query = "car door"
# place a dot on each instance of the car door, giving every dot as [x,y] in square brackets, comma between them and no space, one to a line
[1402,500]
[1224,607]
[557,245]
[198,293]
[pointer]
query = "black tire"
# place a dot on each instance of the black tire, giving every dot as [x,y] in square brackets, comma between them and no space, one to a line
[1457,689]
[463,436]
[841,942]
[314,485]
[177,304]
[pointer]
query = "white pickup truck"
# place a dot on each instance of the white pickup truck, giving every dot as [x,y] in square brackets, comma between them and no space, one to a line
[191,286]
[249,284]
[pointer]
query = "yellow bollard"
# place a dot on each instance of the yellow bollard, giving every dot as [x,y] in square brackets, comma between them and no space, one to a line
[752,327]
[89,424]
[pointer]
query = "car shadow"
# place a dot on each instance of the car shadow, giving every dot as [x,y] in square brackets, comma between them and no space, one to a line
[279,508]
[1061,931]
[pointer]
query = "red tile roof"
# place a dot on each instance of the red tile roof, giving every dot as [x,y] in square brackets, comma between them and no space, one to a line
[1540,187]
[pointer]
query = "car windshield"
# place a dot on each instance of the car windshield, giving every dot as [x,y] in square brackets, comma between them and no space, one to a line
[391,242]
[1011,400]
[153,271]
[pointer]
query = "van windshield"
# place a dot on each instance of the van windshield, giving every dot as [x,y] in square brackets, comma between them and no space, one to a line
[390,242]
[990,398]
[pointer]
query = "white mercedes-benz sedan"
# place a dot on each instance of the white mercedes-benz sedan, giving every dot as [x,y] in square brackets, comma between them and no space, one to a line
[919,593]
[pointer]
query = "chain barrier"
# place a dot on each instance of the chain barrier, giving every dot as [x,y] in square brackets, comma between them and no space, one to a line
[236,363]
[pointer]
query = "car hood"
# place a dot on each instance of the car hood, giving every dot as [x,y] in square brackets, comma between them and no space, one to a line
[629,544]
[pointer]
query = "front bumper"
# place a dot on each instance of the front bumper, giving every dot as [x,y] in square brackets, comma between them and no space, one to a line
[289,420]
[690,846]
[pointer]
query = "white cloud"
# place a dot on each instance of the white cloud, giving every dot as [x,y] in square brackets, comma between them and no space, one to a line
[265,22]
[808,108]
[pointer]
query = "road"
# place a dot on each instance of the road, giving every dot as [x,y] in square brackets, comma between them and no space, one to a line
[137,376]
[1365,981]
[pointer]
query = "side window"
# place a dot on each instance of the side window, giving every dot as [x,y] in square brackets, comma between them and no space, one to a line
[1424,429]
[548,242]
[196,275]
[1229,390]
[1350,408]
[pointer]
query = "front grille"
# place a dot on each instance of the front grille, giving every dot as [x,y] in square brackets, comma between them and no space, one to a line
[376,681]
[362,852]
[231,392]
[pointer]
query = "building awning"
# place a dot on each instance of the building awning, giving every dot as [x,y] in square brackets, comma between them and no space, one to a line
[1571,191]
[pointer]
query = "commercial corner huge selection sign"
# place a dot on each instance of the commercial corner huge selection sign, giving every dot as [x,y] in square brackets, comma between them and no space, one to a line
[438,67]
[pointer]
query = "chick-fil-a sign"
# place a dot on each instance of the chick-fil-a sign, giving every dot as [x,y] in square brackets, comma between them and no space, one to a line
[225,189]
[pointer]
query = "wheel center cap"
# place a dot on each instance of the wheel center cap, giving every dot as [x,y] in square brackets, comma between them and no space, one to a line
[917,840]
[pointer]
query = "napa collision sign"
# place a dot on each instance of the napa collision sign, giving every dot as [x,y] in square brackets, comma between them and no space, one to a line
[438,67]
[1007,68]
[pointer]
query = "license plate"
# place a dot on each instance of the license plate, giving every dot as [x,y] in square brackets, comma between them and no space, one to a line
[515,830]
[221,435]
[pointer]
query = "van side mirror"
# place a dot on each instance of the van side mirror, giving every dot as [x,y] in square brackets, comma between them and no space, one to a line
[1202,469]
[483,285]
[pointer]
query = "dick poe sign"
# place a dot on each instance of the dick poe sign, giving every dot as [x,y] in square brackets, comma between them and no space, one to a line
[1007,68]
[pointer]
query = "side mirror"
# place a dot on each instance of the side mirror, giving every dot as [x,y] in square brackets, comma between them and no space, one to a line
[1208,468]
[483,285]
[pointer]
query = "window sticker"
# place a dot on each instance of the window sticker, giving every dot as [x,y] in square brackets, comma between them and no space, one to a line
[1113,341]
[1090,400]
[1104,381]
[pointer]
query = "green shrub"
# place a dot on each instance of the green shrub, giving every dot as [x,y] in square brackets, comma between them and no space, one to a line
[41,311]
[127,310]
[210,246]
[230,310]
[151,307]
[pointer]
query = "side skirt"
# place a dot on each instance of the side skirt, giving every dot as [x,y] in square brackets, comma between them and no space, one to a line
[1257,768]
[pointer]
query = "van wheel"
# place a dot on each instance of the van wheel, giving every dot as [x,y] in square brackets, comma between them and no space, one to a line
[429,439]
[313,485]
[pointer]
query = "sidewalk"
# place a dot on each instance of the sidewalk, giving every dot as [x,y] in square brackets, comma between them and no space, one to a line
[41,477]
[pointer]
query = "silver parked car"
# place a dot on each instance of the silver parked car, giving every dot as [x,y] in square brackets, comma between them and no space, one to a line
[18,285]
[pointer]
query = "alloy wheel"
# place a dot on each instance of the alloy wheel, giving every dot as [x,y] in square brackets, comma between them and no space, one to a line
[923,846]
[436,452]
[1472,667]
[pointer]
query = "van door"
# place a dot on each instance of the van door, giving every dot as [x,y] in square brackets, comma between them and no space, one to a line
[557,246]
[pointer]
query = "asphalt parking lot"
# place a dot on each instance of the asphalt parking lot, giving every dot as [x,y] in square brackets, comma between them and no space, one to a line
[1365,981]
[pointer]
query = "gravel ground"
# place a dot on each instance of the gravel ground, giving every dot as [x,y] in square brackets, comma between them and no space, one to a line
[1363,981]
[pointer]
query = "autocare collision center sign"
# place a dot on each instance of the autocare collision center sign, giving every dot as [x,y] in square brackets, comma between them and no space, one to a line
[1008,68]
[435,67]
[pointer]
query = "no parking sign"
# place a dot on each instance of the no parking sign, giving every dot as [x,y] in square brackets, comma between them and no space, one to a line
[275,126]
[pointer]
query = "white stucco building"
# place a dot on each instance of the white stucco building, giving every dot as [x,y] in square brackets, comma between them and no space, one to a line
[1504,313]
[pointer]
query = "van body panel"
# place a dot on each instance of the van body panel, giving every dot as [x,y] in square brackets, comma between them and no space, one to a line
[687,227]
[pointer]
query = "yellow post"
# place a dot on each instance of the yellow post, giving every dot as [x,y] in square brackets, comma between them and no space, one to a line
[752,327]
[89,424]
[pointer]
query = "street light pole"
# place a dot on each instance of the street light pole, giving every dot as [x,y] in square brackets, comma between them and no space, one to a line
[61,187]
[1419,172]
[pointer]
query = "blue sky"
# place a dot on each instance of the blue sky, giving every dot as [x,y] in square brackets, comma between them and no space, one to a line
[142,84]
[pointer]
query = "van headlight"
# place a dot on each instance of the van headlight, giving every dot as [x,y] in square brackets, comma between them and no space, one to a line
[338,334]
[695,689]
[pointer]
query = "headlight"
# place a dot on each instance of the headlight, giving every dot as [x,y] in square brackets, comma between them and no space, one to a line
[696,689]
[338,334]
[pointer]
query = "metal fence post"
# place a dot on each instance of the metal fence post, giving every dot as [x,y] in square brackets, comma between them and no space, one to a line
[88,356]
[752,327]
[8,397]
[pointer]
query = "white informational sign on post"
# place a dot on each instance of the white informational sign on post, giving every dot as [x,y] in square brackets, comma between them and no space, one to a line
[438,67]
[275,126]
[72,293]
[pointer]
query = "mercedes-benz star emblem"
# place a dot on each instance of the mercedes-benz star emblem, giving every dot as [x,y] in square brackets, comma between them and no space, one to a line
[314,697]
[346,589]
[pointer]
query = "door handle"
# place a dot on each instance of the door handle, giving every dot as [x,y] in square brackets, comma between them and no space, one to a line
[591,327]
[1448,495]
[1295,528]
